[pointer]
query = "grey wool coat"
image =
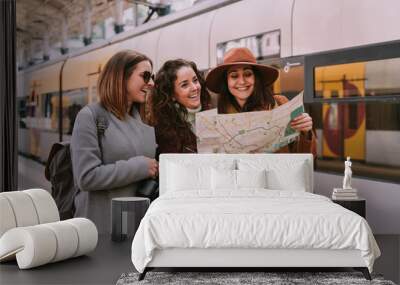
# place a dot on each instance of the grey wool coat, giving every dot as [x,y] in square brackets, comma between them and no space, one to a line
[126,144]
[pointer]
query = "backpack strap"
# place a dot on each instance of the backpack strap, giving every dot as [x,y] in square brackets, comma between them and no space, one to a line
[101,117]
[54,149]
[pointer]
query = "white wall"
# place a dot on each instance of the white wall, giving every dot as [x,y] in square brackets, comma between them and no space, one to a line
[383,200]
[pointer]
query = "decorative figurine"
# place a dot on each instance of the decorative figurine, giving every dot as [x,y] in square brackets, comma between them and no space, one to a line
[347,192]
[347,174]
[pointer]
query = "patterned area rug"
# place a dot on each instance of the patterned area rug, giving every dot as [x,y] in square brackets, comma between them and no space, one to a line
[242,278]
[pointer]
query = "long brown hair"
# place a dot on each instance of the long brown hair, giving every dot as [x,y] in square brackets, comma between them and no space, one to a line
[113,79]
[170,117]
[261,99]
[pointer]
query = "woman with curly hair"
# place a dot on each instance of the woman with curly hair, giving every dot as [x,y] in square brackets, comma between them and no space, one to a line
[179,93]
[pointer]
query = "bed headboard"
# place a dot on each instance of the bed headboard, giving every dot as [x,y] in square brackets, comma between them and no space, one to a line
[302,164]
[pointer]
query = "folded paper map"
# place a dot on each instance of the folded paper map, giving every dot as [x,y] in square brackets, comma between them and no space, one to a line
[249,132]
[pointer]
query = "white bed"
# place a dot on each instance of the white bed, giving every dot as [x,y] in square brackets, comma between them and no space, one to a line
[247,210]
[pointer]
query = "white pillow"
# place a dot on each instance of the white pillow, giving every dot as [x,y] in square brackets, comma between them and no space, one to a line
[195,160]
[282,174]
[236,179]
[251,178]
[223,179]
[293,178]
[182,177]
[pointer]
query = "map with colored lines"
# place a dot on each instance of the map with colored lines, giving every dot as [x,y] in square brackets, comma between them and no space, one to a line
[250,132]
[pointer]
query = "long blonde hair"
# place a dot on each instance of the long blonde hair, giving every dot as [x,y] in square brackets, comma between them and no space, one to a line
[113,79]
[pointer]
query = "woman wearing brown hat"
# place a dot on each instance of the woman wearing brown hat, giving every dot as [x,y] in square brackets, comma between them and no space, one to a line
[179,93]
[245,86]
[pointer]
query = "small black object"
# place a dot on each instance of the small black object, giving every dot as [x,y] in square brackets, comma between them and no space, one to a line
[364,271]
[143,274]
[148,188]
[59,172]
[126,214]
[357,206]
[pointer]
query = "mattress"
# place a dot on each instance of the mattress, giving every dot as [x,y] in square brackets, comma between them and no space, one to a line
[250,218]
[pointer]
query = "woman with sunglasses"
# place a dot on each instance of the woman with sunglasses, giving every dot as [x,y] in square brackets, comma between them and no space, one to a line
[113,164]
[178,95]
[245,86]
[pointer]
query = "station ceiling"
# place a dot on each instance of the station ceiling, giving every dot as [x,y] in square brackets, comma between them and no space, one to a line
[36,18]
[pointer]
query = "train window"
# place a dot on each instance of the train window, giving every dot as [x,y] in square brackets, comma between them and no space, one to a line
[73,101]
[334,93]
[370,73]
[367,131]
[39,118]
[369,78]
[36,126]
[354,119]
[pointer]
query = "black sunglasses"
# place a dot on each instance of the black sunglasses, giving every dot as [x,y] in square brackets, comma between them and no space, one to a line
[147,75]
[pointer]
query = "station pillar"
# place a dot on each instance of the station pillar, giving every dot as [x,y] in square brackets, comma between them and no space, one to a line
[8,97]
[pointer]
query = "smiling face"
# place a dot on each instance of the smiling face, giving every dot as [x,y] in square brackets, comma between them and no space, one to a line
[187,88]
[241,80]
[136,87]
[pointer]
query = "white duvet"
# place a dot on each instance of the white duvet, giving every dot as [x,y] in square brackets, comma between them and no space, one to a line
[252,218]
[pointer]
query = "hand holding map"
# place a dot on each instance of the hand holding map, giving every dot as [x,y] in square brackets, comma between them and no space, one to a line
[250,132]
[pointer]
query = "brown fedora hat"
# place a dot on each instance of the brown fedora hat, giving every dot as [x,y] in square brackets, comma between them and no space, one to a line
[236,56]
